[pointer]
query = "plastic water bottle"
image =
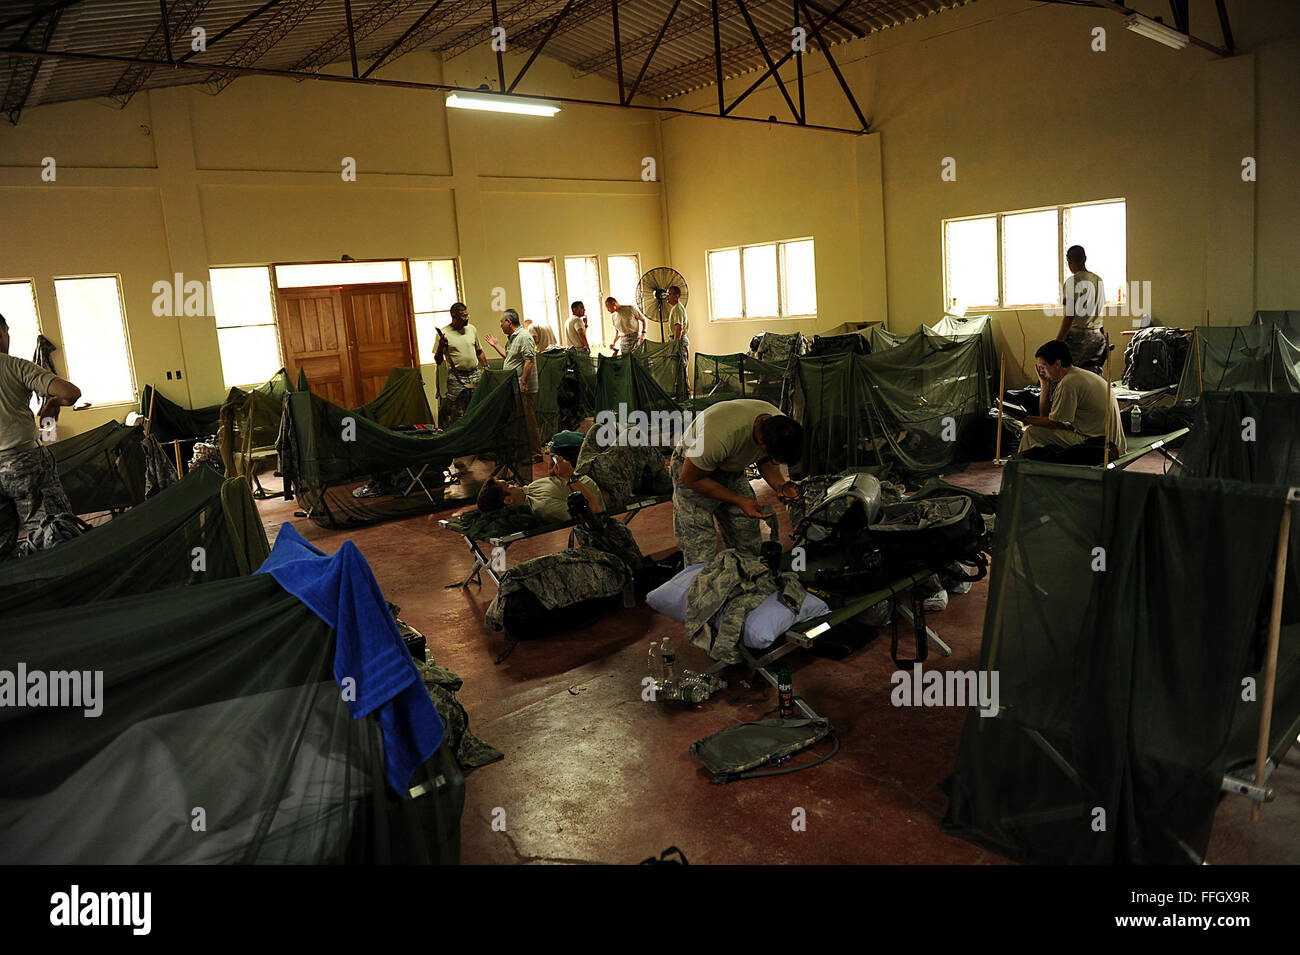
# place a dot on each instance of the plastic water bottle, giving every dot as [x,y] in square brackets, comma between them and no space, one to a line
[656,662]
[1135,419]
[669,657]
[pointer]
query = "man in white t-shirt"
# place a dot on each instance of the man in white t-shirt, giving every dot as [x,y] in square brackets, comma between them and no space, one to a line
[1084,300]
[680,325]
[629,327]
[458,346]
[543,337]
[575,328]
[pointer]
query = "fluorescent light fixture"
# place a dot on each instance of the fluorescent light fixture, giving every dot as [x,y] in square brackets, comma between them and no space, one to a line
[498,103]
[1144,26]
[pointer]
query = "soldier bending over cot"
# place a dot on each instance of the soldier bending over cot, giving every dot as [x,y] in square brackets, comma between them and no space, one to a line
[30,493]
[709,479]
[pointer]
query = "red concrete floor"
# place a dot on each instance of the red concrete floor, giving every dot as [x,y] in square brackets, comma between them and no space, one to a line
[593,774]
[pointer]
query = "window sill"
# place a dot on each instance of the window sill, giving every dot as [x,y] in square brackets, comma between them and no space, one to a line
[109,404]
[762,318]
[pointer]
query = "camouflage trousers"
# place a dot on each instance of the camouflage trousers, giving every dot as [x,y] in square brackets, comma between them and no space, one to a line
[1088,349]
[460,390]
[622,472]
[694,514]
[31,497]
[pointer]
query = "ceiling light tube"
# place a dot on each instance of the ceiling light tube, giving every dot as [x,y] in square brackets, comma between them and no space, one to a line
[1144,26]
[498,103]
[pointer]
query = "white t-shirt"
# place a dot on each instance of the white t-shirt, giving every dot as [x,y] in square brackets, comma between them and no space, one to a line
[574,332]
[627,321]
[542,335]
[1083,297]
[677,316]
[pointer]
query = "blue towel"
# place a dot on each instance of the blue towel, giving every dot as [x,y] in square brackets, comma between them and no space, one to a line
[342,591]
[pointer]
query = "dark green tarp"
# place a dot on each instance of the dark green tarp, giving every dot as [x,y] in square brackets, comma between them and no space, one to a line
[322,456]
[401,401]
[664,361]
[1120,689]
[219,696]
[1264,356]
[171,422]
[720,377]
[1245,436]
[624,382]
[104,469]
[919,403]
[149,548]
[563,374]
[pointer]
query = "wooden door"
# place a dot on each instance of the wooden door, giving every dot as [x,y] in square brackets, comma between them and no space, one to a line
[314,329]
[347,337]
[379,320]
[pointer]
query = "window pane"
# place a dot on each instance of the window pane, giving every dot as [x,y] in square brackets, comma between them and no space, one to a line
[1031,259]
[582,279]
[18,306]
[799,278]
[724,285]
[760,281]
[338,273]
[445,292]
[970,249]
[624,274]
[94,339]
[249,355]
[537,286]
[1101,229]
[433,290]
[242,296]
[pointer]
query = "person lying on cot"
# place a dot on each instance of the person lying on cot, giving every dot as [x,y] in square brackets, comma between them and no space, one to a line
[1080,407]
[548,497]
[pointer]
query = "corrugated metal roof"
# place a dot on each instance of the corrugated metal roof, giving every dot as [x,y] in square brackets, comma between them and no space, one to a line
[308,35]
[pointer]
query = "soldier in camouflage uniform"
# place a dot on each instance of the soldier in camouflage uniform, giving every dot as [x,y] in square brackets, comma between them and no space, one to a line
[710,480]
[458,347]
[622,472]
[31,496]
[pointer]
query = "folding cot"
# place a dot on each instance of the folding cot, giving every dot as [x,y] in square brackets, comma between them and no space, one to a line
[494,563]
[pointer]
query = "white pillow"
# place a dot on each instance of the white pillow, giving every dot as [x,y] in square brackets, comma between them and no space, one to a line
[764,624]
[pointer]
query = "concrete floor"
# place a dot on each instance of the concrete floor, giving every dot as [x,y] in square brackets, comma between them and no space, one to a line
[593,774]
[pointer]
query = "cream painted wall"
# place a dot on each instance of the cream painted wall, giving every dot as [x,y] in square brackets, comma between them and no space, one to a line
[1013,92]
[181,181]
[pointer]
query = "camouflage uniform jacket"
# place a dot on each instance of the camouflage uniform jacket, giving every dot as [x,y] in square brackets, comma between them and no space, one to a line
[563,579]
[723,595]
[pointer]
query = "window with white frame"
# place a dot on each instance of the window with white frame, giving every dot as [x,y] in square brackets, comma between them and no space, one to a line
[435,288]
[582,281]
[18,306]
[624,276]
[766,280]
[95,341]
[1017,259]
[539,294]
[247,338]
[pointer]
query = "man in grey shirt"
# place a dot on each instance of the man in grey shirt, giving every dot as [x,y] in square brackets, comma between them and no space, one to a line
[519,355]
[30,493]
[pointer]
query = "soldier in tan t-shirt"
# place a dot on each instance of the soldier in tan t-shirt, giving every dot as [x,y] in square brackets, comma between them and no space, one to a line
[710,480]
[1080,403]
[30,493]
